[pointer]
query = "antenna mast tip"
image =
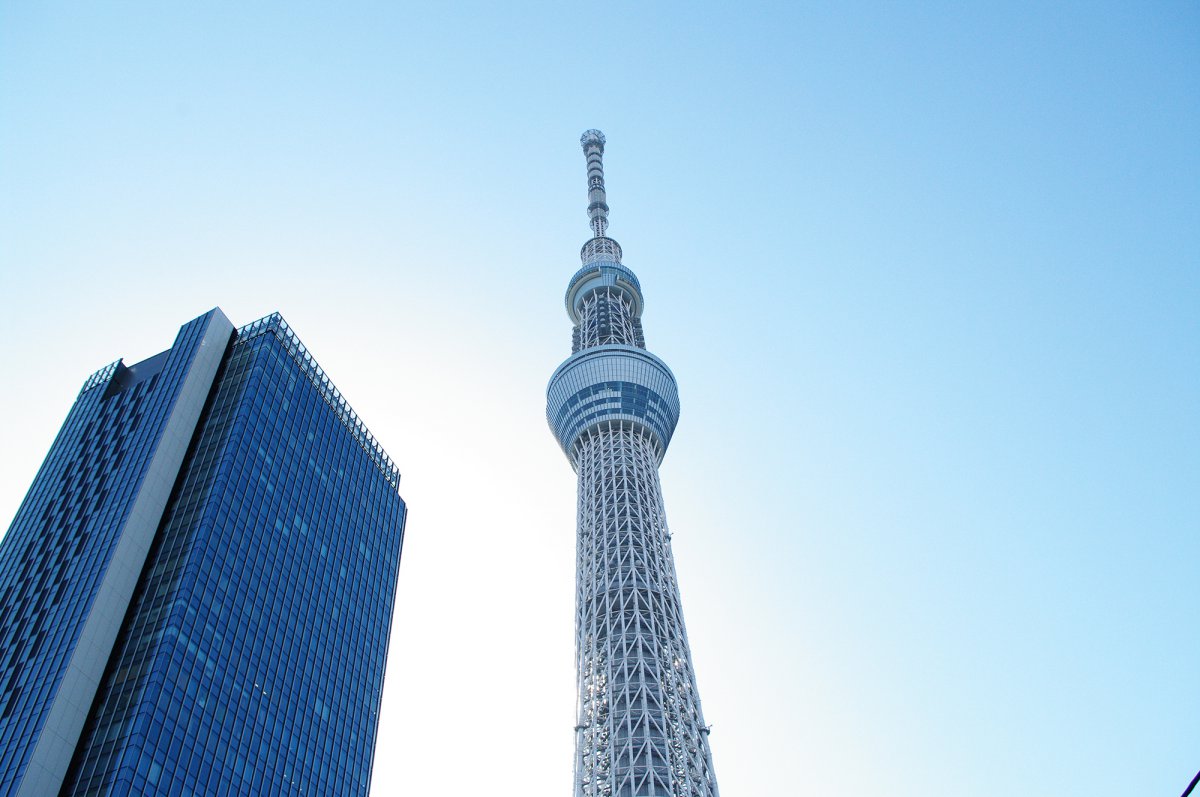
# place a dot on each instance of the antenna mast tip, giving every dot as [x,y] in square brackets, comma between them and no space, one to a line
[592,138]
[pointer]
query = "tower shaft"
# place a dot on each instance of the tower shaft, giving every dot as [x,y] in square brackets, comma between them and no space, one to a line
[613,407]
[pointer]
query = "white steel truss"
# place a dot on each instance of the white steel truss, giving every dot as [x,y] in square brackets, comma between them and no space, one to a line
[606,316]
[640,731]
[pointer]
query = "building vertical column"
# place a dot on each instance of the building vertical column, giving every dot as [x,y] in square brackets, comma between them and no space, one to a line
[59,733]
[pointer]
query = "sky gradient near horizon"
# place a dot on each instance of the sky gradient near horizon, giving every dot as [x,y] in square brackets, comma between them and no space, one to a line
[928,275]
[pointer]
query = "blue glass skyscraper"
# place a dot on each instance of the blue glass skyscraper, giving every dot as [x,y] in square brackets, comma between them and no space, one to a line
[196,594]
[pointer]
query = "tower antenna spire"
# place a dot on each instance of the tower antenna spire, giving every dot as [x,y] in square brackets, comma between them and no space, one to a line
[592,142]
[599,247]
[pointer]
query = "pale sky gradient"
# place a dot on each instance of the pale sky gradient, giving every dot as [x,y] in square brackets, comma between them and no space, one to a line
[928,275]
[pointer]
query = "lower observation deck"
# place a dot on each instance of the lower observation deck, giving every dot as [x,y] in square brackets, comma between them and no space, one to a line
[612,383]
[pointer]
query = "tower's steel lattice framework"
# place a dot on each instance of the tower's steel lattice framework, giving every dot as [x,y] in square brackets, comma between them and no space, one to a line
[613,407]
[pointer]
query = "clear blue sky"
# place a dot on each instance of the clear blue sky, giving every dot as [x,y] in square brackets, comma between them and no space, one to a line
[928,274]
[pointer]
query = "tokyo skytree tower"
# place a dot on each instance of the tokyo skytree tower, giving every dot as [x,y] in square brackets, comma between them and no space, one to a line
[613,407]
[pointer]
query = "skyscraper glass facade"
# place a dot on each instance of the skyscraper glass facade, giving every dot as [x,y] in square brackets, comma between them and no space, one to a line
[251,651]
